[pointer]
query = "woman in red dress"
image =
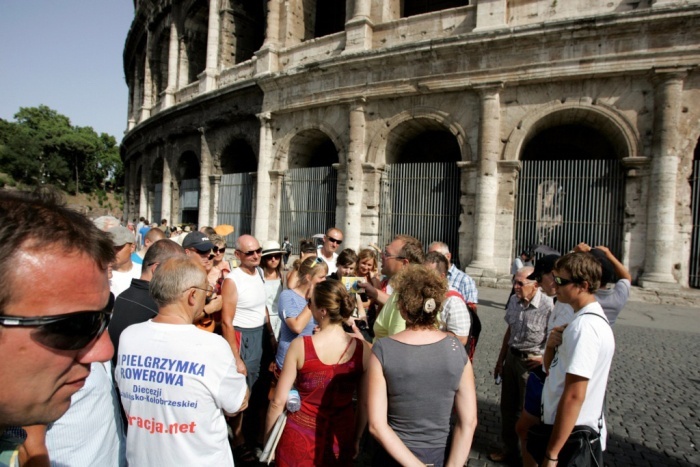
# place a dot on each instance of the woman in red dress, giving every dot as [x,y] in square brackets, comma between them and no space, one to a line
[326,369]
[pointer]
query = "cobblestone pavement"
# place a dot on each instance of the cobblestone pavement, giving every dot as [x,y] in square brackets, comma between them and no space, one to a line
[653,414]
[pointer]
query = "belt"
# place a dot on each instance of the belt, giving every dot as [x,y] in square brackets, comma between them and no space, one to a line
[520,353]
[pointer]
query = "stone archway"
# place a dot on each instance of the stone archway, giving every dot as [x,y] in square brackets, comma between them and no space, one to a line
[187,182]
[237,186]
[155,191]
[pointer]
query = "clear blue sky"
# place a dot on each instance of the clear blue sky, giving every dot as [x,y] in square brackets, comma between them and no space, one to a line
[66,54]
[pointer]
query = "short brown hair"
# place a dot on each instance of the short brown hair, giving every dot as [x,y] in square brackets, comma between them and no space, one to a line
[582,267]
[412,249]
[415,286]
[439,260]
[335,299]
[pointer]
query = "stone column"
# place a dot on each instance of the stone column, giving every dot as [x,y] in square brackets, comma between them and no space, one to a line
[352,222]
[143,195]
[167,194]
[358,31]
[135,114]
[212,67]
[468,187]
[261,221]
[133,187]
[173,62]
[661,217]
[130,120]
[487,191]
[204,217]
[371,183]
[490,14]
[215,182]
[267,57]
[147,102]
[272,32]
[127,188]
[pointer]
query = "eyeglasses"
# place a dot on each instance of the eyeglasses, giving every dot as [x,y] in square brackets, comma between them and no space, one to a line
[334,240]
[210,293]
[219,250]
[208,254]
[522,283]
[276,256]
[69,331]
[562,282]
[251,252]
[388,255]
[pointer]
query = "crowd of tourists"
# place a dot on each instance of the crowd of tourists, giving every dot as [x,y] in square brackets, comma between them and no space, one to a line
[329,360]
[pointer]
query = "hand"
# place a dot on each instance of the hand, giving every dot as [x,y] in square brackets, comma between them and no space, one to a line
[604,249]
[356,332]
[498,371]
[533,362]
[240,367]
[357,448]
[555,337]
[369,289]
[547,463]
[214,305]
[582,247]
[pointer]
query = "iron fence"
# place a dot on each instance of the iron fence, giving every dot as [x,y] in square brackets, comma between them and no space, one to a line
[694,273]
[236,194]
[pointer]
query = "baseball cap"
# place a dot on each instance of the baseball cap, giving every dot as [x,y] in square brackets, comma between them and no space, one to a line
[121,235]
[544,265]
[197,240]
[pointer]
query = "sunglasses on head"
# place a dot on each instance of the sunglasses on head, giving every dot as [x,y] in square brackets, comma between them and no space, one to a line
[334,240]
[69,331]
[561,281]
[251,252]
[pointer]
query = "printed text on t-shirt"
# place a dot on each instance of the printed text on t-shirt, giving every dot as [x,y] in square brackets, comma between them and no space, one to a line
[153,426]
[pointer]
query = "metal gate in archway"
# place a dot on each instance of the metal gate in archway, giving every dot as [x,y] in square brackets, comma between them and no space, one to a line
[236,192]
[694,273]
[189,201]
[421,200]
[308,203]
[562,203]
[157,203]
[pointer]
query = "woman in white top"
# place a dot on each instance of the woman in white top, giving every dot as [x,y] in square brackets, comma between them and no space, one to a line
[271,264]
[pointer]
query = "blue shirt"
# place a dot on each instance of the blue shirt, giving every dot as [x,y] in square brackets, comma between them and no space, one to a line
[463,283]
[290,305]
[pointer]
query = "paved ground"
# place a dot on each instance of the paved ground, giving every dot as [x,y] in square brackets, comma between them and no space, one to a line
[653,395]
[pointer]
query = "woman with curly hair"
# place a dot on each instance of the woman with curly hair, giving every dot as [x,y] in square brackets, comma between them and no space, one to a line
[326,369]
[409,414]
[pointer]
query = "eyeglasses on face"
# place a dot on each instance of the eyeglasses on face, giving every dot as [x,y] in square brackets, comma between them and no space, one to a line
[276,256]
[205,254]
[219,250]
[387,255]
[562,282]
[334,240]
[69,331]
[251,252]
[209,290]
[522,283]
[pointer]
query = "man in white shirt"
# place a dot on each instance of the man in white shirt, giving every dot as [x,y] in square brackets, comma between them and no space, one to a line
[123,268]
[328,251]
[574,392]
[176,382]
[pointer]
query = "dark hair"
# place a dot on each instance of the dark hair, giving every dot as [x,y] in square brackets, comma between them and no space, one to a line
[346,257]
[412,249]
[416,286]
[40,221]
[607,269]
[332,295]
[439,260]
[161,251]
[207,230]
[582,267]
[306,246]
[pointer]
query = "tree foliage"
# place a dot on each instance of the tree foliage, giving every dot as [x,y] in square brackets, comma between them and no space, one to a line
[42,147]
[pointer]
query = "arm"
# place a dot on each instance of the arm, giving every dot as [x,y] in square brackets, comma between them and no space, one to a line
[567,412]
[465,406]
[299,322]
[229,294]
[374,293]
[244,405]
[620,269]
[361,416]
[457,319]
[378,424]
[553,342]
[293,360]
[502,354]
[33,452]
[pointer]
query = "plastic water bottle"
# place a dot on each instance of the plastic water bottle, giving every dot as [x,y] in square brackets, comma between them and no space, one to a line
[293,401]
[498,380]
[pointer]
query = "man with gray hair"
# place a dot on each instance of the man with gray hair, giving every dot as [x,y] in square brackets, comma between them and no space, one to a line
[456,279]
[522,349]
[177,382]
[123,268]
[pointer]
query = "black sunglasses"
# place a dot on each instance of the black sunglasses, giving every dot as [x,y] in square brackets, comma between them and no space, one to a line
[69,331]
[561,281]
[251,252]
[219,250]
[334,240]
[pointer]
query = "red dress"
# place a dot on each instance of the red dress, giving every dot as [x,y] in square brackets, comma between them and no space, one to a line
[323,431]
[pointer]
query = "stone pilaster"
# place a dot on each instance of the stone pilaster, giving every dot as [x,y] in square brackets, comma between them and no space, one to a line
[204,217]
[267,57]
[208,80]
[487,191]
[351,224]
[490,14]
[261,221]
[147,102]
[143,194]
[167,194]
[215,183]
[661,214]
[359,30]
[467,182]
[133,189]
[173,62]
[372,179]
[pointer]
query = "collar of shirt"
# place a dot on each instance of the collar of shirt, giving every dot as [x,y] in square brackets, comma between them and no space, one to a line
[535,302]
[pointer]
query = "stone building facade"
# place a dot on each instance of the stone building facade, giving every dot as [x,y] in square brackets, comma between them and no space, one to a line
[592,104]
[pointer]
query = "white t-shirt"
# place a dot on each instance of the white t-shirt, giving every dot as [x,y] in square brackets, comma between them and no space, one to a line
[174,381]
[332,267]
[587,350]
[250,308]
[613,300]
[562,314]
[121,281]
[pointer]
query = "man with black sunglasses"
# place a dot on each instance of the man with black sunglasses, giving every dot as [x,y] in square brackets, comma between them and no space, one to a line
[54,268]
[328,252]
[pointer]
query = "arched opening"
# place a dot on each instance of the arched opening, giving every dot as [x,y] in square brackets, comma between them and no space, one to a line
[421,157]
[237,187]
[159,64]
[694,270]
[418,7]
[243,26]
[155,191]
[330,17]
[571,185]
[195,32]
[187,175]
[309,186]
